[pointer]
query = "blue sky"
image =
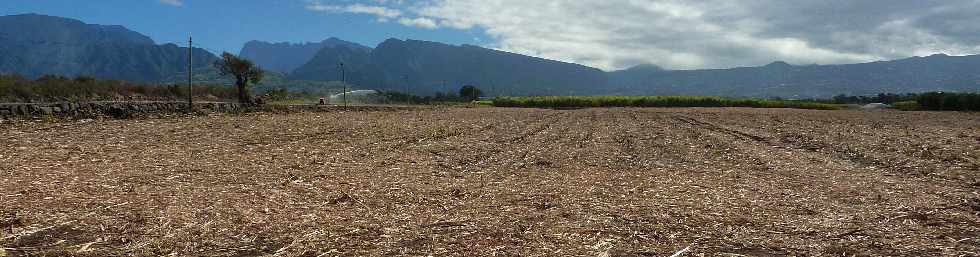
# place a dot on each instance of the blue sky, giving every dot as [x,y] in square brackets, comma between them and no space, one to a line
[607,34]
[225,25]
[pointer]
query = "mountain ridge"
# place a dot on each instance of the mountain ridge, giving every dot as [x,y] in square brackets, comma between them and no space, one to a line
[427,67]
[938,72]
[33,45]
[285,57]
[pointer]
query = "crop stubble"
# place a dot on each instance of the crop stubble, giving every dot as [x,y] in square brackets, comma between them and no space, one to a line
[494,181]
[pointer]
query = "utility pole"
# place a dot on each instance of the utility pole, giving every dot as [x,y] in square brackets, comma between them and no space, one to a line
[405,78]
[343,80]
[190,74]
[408,96]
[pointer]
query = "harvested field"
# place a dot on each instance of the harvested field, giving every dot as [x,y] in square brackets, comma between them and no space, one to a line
[495,181]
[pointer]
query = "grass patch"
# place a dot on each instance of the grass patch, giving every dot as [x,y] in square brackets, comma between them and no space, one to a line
[653,101]
[907,106]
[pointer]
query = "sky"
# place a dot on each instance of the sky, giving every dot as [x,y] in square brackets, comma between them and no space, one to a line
[607,34]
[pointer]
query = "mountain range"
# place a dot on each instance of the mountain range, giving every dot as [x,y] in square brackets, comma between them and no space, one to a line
[33,45]
[423,67]
[779,79]
[285,57]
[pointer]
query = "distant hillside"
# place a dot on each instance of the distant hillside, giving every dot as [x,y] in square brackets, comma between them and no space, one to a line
[286,57]
[33,45]
[324,66]
[779,79]
[425,67]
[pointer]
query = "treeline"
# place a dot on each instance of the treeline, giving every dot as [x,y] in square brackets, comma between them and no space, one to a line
[50,88]
[653,101]
[933,101]
[885,98]
[467,93]
[439,97]
[940,101]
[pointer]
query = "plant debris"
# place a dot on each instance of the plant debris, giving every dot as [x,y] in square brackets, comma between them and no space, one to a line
[496,181]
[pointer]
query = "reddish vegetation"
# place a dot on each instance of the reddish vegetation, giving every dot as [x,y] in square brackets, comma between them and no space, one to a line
[492,181]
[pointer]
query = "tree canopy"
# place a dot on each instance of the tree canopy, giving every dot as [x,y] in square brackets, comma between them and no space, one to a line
[470,92]
[244,71]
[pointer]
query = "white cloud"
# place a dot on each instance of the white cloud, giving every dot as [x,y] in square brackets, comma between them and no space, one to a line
[680,34]
[380,11]
[172,2]
[420,22]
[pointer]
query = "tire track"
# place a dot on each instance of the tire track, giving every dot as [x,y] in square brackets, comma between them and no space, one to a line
[495,144]
[849,155]
[723,130]
[545,124]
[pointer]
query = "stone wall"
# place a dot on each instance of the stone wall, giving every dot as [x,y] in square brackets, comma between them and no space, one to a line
[115,109]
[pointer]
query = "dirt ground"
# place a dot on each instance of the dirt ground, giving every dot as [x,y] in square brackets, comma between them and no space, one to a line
[496,181]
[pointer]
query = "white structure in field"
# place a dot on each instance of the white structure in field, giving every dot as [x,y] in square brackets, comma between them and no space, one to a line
[875,106]
[356,96]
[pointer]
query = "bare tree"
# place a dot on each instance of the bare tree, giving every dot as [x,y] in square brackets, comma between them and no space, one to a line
[243,70]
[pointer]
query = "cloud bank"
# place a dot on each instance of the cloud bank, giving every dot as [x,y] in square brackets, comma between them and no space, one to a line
[679,34]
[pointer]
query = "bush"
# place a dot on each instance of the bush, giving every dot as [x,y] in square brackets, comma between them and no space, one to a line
[52,88]
[884,98]
[274,95]
[945,101]
[470,93]
[907,106]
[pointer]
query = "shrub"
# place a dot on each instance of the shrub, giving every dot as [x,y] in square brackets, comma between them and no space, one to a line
[470,93]
[51,88]
[907,105]
[946,101]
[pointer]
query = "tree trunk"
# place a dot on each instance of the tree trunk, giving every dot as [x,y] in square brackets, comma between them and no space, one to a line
[243,96]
